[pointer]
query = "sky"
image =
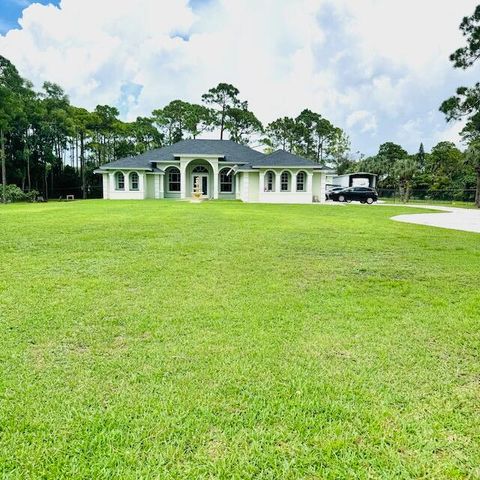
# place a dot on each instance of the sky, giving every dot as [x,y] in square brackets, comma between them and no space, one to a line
[377,68]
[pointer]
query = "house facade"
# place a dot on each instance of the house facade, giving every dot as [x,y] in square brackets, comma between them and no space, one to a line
[224,169]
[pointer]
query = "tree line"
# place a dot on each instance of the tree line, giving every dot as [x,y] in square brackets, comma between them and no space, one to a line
[444,173]
[50,146]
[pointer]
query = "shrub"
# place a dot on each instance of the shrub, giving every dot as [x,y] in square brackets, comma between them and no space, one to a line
[16,194]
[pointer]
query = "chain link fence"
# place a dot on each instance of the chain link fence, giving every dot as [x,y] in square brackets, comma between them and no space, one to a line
[444,197]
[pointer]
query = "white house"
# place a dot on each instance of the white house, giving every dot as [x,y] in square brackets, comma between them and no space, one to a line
[226,170]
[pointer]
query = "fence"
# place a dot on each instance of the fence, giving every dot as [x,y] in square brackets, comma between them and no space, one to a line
[448,197]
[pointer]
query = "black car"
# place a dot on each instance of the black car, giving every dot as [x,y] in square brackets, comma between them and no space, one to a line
[360,194]
[332,190]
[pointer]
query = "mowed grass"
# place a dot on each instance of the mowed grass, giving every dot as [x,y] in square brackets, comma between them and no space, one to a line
[166,340]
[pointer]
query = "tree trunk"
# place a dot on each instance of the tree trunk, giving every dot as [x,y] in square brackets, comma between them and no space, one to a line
[45,180]
[222,123]
[4,167]
[477,193]
[29,178]
[82,166]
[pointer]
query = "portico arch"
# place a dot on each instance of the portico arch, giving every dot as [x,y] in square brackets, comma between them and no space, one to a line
[203,170]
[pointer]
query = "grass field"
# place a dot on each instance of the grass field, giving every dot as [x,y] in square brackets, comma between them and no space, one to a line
[165,340]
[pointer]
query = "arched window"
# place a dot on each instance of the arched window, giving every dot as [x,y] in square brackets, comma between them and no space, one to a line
[134,181]
[269,181]
[119,181]
[301,181]
[226,180]
[285,182]
[200,169]
[173,179]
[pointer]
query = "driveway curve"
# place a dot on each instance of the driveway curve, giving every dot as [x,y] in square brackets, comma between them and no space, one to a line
[453,218]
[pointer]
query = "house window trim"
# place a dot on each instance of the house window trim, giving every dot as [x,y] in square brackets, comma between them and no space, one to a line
[200,169]
[288,183]
[116,177]
[131,182]
[266,182]
[170,170]
[304,182]
[221,183]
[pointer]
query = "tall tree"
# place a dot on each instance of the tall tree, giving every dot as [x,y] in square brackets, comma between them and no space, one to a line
[466,56]
[404,171]
[421,156]
[466,103]
[11,90]
[241,123]
[221,98]
[317,136]
[171,120]
[281,133]
[198,119]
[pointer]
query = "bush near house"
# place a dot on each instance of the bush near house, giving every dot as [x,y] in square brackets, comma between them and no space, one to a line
[16,194]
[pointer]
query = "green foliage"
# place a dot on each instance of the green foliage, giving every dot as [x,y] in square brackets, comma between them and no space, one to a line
[309,135]
[466,103]
[466,56]
[221,98]
[16,194]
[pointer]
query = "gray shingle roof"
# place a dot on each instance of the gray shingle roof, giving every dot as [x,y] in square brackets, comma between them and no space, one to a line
[282,158]
[229,150]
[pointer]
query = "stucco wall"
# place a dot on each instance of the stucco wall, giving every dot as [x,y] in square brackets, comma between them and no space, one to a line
[150,186]
[249,186]
[319,186]
[126,194]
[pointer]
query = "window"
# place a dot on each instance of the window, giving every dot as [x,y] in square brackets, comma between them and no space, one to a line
[119,181]
[200,169]
[269,182]
[173,179]
[134,181]
[285,182]
[301,177]
[226,181]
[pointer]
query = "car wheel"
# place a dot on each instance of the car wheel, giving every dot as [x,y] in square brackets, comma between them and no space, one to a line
[369,200]
[341,198]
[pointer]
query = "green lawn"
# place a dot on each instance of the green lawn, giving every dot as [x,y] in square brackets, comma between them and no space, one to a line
[165,340]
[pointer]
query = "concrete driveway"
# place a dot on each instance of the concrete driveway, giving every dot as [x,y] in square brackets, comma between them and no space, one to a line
[453,218]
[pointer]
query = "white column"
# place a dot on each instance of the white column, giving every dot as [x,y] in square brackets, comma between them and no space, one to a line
[277,181]
[215,182]
[156,186]
[111,186]
[106,191]
[161,183]
[183,179]
[236,178]
[310,183]
[246,187]
[142,183]
[323,181]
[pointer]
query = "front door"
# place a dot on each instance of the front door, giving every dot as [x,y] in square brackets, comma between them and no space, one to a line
[203,182]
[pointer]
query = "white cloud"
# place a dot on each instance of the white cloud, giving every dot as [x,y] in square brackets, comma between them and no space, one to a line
[365,121]
[370,66]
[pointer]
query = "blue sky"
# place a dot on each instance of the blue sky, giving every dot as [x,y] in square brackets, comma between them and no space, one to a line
[11,11]
[378,69]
